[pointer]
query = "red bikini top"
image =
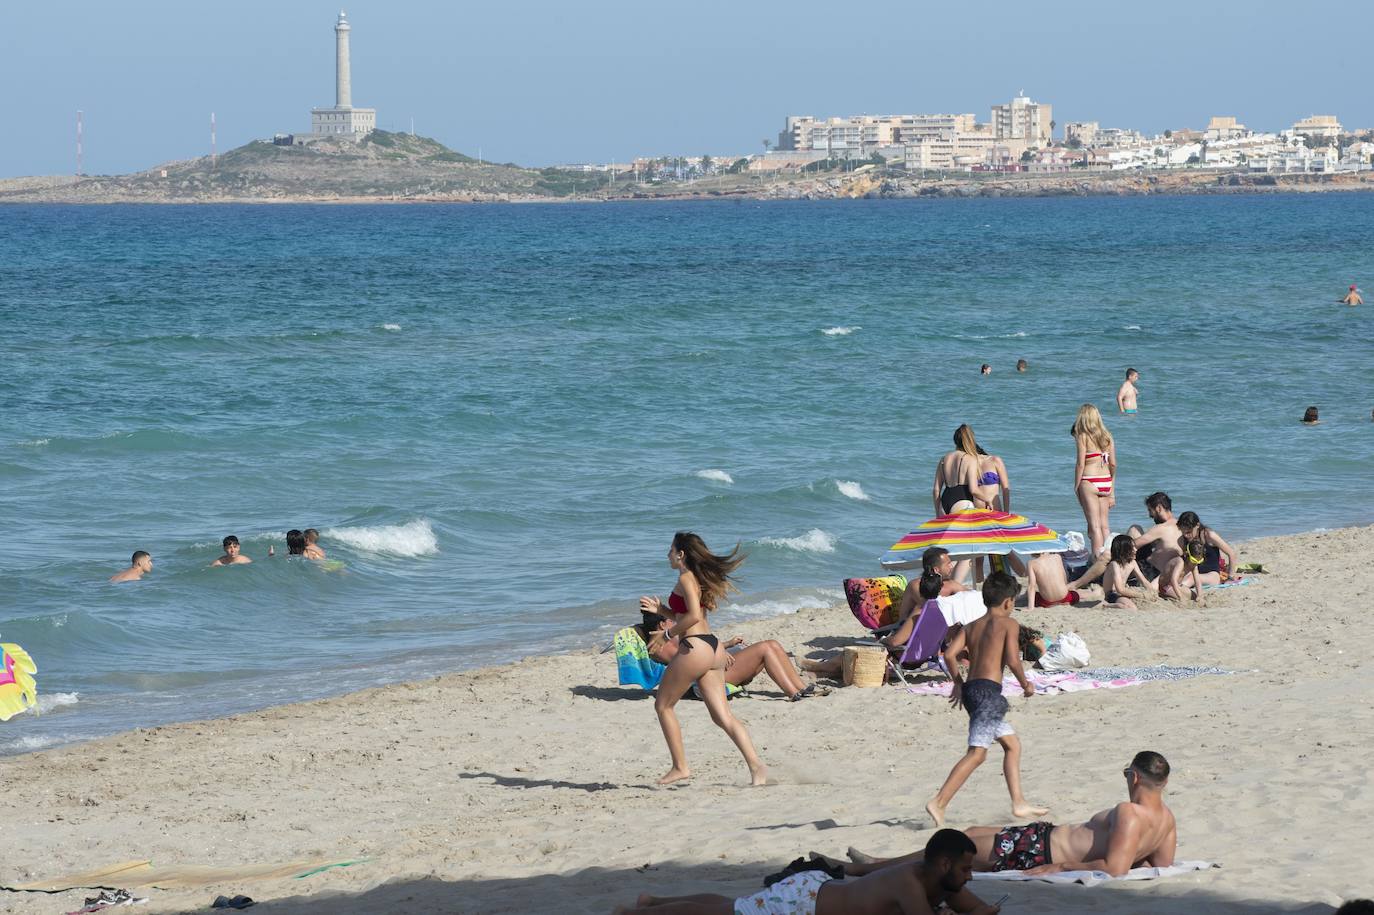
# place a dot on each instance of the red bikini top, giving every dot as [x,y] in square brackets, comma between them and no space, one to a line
[676,604]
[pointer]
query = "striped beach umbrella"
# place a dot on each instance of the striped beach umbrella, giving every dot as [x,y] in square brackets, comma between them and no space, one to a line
[975,532]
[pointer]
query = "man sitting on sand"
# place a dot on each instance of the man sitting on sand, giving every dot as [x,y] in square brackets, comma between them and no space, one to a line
[1136,832]
[918,887]
[140,565]
[936,558]
[232,556]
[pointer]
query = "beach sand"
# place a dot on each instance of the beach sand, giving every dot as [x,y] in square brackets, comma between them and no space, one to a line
[530,787]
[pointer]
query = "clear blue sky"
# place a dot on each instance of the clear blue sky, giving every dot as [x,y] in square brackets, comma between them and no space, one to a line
[541,82]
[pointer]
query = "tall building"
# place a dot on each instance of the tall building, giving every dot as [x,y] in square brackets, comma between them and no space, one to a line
[1023,119]
[343,119]
[1323,126]
[1224,128]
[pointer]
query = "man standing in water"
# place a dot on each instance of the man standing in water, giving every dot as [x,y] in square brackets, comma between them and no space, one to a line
[140,565]
[1126,395]
[1352,297]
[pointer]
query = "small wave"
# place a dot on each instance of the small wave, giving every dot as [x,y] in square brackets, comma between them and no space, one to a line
[34,443]
[1131,327]
[720,476]
[840,331]
[31,742]
[391,327]
[852,489]
[818,599]
[48,702]
[813,541]
[415,538]
[1019,333]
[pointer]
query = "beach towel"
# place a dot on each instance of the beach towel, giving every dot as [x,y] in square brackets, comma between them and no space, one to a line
[1093,878]
[632,661]
[873,601]
[1052,684]
[1233,583]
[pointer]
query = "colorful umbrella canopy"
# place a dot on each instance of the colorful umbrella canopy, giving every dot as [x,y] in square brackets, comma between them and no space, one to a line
[974,532]
[17,689]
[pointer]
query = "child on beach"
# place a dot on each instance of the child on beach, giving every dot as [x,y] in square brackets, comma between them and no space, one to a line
[993,643]
[1116,579]
[232,556]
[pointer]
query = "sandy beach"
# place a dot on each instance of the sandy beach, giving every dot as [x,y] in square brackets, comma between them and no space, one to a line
[530,788]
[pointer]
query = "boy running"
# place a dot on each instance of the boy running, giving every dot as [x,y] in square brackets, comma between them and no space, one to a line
[993,642]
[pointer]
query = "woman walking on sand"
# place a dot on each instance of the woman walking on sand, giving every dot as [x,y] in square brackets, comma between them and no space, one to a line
[703,579]
[1094,473]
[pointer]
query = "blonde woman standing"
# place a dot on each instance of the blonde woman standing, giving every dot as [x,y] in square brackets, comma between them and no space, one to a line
[703,579]
[1094,477]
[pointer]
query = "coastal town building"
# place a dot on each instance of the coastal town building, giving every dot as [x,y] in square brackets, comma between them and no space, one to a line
[1223,128]
[1023,119]
[1320,126]
[343,119]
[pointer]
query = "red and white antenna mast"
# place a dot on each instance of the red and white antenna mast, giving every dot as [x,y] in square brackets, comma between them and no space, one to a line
[78,142]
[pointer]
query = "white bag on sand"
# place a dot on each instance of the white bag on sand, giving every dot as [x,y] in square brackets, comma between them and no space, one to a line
[1069,651]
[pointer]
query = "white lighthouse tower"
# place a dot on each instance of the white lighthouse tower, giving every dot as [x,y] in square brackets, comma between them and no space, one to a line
[343,119]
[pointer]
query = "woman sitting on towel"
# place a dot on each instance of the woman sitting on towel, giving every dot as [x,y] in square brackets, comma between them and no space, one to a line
[742,666]
[1200,560]
[703,579]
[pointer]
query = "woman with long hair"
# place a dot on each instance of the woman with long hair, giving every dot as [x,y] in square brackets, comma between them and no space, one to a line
[1200,550]
[703,579]
[1094,474]
[959,476]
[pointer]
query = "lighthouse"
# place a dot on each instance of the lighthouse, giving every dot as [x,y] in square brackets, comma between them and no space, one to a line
[343,120]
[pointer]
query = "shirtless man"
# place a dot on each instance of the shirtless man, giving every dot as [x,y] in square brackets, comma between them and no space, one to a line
[140,565]
[1136,832]
[937,558]
[1126,394]
[312,547]
[1352,297]
[1158,547]
[232,556]
[1047,584]
[918,887]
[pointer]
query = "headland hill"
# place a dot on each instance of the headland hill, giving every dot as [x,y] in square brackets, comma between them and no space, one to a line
[404,168]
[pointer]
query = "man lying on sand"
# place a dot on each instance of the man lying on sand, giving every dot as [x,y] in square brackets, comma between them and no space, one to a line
[1136,832]
[916,887]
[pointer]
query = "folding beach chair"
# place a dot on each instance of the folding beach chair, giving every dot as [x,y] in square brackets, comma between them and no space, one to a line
[927,639]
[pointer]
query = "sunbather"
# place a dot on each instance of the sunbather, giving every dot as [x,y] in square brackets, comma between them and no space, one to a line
[746,663]
[1139,831]
[937,879]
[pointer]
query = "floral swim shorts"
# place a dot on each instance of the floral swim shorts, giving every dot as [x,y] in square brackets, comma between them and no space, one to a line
[794,896]
[1019,848]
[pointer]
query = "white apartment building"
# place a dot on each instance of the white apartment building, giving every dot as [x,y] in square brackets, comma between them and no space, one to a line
[1023,119]
[1223,128]
[864,133]
[1085,132]
[1322,126]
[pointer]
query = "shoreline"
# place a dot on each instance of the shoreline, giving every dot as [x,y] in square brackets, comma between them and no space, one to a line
[483,785]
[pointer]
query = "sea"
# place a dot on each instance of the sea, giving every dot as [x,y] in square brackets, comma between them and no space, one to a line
[498,415]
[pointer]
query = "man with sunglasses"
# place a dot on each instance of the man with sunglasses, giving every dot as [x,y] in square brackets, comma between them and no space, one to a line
[1139,831]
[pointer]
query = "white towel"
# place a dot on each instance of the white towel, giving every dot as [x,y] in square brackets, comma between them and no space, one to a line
[1093,878]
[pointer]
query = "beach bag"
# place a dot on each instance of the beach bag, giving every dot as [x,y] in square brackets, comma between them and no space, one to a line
[1066,652]
[873,601]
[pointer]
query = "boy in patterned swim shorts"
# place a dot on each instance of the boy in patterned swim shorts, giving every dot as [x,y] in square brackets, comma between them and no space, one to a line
[993,643]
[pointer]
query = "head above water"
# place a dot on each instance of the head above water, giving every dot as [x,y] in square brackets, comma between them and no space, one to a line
[1310,415]
[998,588]
[713,572]
[1021,365]
[295,542]
[230,542]
[985,369]
[1151,769]
[142,560]
[311,536]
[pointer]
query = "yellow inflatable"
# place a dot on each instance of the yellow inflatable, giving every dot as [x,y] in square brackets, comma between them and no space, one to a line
[17,689]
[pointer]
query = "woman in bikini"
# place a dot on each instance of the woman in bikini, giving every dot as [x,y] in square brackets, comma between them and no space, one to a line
[703,579]
[959,477]
[1094,476]
[1200,553]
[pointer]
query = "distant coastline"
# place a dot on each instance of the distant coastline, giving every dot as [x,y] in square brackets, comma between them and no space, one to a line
[401,168]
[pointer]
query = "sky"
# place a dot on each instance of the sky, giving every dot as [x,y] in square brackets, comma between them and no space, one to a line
[541,82]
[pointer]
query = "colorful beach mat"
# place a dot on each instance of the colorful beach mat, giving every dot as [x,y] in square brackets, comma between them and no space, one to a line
[1077,681]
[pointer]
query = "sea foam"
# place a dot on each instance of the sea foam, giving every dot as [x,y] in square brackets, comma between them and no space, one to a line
[392,327]
[852,489]
[813,541]
[840,331]
[414,538]
[48,702]
[720,476]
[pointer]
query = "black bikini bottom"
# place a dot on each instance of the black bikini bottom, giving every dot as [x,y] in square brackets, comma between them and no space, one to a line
[710,640]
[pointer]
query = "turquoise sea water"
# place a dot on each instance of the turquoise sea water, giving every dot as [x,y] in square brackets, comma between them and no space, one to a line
[498,415]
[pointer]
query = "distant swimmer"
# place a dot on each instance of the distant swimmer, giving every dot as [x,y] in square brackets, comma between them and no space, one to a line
[140,565]
[1309,417]
[232,556]
[1352,297]
[985,369]
[295,543]
[1127,393]
[1021,365]
[312,548]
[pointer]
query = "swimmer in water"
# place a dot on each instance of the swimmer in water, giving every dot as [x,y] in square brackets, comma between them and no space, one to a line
[1126,395]
[140,565]
[1352,297]
[312,549]
[232,556]
[985,369]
